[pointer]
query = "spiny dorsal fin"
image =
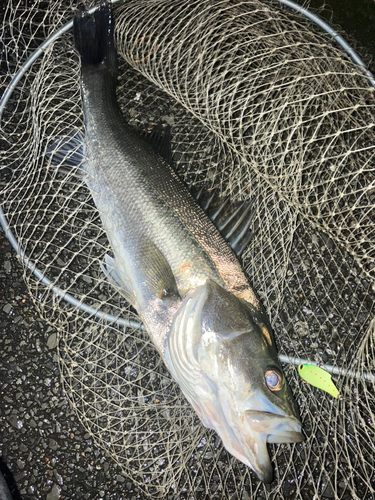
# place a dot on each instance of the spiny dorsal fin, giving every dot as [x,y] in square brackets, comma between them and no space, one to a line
[160,140]
[231,218]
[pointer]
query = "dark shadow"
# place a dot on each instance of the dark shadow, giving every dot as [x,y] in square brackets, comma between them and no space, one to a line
[13,492]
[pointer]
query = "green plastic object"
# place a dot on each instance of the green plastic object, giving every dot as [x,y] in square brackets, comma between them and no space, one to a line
[318,378]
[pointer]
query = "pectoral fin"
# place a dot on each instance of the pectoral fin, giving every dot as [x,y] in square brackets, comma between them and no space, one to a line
[149,269]
[154,271]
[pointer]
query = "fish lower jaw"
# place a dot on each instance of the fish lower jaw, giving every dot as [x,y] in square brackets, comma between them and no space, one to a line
[255,455]
[245,444]
[277,428]
[286,437]
[252,430]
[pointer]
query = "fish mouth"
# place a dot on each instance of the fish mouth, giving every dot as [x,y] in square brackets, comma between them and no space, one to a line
[252,433]
[260,428]
[277,428]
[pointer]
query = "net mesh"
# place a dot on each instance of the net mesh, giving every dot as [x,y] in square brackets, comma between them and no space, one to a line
[263,105]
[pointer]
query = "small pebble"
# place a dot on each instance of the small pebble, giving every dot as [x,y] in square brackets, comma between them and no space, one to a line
[37,345]
[52,341]
[19,477]
[58,478]
[7,308]
[17,424]
[54,494]
[53,444]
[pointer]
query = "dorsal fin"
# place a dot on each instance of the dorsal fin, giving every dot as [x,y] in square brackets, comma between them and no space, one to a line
[160,140]
[231,218]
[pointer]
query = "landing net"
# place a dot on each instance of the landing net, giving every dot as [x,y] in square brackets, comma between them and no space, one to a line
[263,105]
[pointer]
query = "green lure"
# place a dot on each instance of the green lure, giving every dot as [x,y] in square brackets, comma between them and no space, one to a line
[318,378]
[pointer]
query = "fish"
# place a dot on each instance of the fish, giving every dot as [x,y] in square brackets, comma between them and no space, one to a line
[175,268]
[318,378]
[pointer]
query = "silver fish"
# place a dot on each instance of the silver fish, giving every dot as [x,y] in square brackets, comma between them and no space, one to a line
[176,269]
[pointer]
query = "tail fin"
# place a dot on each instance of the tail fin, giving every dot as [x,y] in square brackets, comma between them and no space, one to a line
[94,37]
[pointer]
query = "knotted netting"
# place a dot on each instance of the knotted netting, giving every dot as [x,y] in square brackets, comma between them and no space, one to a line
[262,105]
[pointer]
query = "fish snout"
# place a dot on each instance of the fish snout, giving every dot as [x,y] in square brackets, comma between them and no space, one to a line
[277,428]
[254,429]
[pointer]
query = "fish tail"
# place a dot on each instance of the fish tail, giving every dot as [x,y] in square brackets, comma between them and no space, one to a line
[94,37]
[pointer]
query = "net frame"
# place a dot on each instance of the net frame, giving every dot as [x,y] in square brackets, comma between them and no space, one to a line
[40,51]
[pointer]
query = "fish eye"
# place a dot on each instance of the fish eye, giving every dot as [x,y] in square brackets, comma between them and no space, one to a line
[274,380]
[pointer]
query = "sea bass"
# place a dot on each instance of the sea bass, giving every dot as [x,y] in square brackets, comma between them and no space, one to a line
[177,270]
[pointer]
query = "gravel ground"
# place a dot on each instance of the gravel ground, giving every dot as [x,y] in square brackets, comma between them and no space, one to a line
[49,454]
[41,441]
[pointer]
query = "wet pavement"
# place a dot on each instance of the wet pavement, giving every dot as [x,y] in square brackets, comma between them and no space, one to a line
[49,453]
[47,450]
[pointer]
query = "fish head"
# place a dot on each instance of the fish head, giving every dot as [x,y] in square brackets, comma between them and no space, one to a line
[225,360]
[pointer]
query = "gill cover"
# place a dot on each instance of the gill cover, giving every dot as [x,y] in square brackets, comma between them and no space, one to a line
[220,350]
[181,358]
